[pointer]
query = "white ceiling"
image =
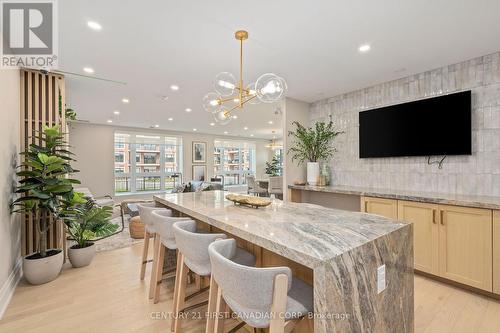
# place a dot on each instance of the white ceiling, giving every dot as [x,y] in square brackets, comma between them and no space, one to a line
[312,44]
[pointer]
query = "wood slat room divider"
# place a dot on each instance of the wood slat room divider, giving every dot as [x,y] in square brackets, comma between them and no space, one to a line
[42,103]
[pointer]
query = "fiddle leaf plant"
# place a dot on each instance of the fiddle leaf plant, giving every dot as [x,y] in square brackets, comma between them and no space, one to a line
[312,144]
[44,181]
[273,168]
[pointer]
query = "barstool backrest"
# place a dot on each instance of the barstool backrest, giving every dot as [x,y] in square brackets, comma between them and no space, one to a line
[194,246]
[145,210]
[251,182]
[275,185]
[245,289]
[164,224]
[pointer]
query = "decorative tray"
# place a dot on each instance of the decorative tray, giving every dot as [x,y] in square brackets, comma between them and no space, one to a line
[245,200]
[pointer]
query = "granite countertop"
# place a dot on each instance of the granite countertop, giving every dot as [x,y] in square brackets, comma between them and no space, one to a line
[308,234]
[429,197]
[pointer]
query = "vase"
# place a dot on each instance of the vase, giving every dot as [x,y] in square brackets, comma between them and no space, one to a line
[81,257]
[312,173]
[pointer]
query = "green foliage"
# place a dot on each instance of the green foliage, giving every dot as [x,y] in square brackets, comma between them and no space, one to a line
[312,144]
[70,114]
[43,180]
[85,220]
[273,168]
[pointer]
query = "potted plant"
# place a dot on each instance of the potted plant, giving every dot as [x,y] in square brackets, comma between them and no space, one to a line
[312,145]
[85,223]
[43,184]
[273,167]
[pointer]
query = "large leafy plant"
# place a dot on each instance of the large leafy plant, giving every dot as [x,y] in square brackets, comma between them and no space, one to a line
[86,221]
[312,144]
[44,181]
[273,168]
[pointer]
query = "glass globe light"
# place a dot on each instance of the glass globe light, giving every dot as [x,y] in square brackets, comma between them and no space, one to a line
[252,93]
[223,116]
[270,87]
[211,102]
[225,83]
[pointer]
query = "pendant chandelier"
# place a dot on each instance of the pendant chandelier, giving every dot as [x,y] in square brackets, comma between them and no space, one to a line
[231,94]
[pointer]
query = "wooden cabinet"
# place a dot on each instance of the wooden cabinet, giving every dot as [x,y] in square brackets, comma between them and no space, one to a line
[425,233]
[465,245]
[379,206]
[496,251]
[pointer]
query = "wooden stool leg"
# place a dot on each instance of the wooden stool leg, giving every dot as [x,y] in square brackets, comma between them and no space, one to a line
[176,288]
[220,310]
[278,308]
[156,250]
[212,304]
[181,294]
[145,249]
[159,273]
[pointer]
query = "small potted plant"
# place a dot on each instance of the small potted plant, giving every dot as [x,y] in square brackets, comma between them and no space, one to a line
[86,222]
[311,145]
[43,184]
[273,168]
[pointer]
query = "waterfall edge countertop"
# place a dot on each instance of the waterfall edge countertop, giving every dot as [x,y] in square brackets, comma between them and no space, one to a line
[308,234]
[362,264]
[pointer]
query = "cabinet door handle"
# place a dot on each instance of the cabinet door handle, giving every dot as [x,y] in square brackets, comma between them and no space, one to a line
[434,216]
[442,217]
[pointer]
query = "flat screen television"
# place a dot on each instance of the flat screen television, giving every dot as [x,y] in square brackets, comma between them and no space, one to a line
[434,126]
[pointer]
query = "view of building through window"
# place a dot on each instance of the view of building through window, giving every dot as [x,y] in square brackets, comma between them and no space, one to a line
[147,162]
[234,160]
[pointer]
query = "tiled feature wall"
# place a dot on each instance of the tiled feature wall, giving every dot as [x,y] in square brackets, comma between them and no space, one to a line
[478,174]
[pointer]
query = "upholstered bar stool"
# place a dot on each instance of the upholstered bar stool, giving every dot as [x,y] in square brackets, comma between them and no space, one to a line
[145,211]
[261,297]
[163,224]
[192,254]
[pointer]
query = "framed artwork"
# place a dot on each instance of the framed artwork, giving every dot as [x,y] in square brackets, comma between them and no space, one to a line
[199,152]
[199,172]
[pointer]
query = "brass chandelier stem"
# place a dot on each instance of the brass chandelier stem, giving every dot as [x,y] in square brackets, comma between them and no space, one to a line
[241,73]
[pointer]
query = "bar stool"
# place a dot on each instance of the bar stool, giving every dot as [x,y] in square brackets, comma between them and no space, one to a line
[145,210]
[163,224]
[192,254]
[261,297]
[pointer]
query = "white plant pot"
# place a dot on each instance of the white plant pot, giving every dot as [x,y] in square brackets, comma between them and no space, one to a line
[81,257]
[43,270]
[312,173]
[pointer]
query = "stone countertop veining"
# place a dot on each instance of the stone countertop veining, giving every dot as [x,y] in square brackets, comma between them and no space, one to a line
[308,234]
[476,201]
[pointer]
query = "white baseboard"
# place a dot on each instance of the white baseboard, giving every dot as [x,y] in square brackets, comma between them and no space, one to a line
[9,286]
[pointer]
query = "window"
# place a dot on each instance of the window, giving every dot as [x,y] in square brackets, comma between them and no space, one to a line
[278,153]
[146,162]
[234,160]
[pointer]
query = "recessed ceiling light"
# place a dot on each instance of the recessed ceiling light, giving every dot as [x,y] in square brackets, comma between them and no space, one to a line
[251,134]
[156,126]
[94,25]
[364,48]
[235,117]
[125,100]
[225,132]
[188,110]
[170,119]
[194,129]
[116,112]
[270,122]
[88,70]
[212,124]
[110,121]
[245,128]
[174,87]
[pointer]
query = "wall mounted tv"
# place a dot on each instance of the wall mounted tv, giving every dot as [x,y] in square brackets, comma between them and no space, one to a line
[428,127]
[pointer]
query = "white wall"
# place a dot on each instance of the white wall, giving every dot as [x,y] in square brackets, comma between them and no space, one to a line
[294,110]
[94,149]
[10,226]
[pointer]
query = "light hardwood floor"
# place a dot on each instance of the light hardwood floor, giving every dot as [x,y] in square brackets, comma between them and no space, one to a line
[107,296]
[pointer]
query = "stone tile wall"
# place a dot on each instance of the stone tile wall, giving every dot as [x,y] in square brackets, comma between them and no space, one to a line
[478,174]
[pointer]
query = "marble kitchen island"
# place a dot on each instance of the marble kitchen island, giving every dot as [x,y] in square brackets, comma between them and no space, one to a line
[338,252]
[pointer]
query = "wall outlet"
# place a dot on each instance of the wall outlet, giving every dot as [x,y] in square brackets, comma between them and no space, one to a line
[381,279]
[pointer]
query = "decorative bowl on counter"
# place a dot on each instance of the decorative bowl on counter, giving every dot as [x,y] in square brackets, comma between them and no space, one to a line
[246,200]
